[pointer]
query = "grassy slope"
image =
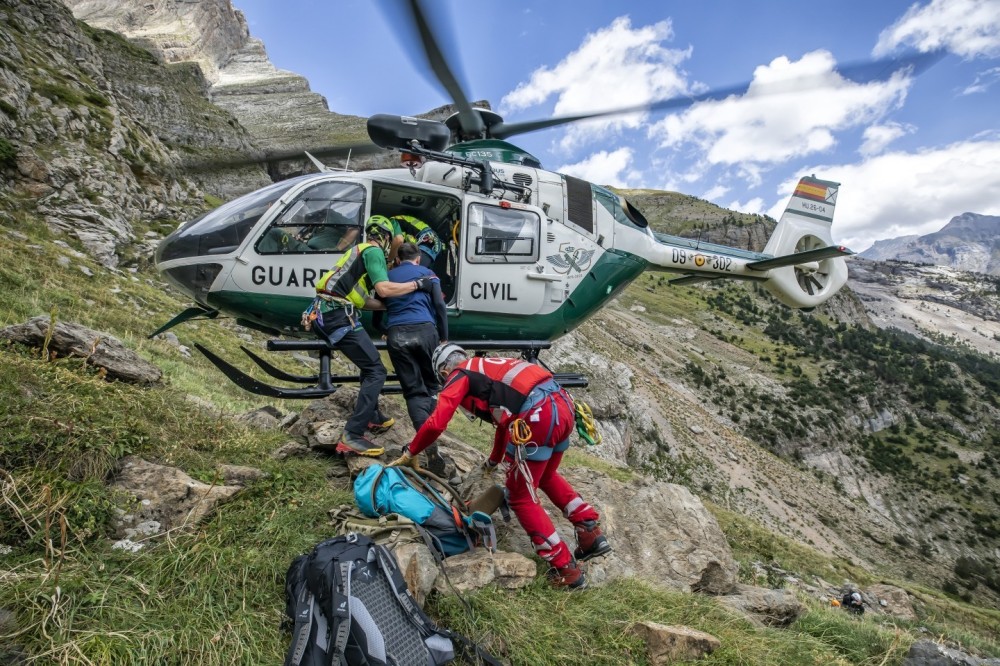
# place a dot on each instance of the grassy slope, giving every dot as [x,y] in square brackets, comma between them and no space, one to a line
[214,595]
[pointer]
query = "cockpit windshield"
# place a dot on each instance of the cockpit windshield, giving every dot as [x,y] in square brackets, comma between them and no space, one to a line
[222,230]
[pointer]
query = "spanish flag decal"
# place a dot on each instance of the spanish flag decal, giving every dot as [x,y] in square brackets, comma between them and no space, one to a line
[809,190]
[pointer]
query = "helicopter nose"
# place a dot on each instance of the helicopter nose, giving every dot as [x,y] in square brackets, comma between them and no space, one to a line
[195,280]
[189,257]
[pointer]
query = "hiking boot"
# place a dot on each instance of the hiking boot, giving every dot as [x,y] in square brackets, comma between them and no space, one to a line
[384,423]
[569,577]
[590,541]
[358,445]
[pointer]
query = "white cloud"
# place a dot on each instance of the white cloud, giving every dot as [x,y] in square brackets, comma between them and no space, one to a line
[605,168]
[717,191]
[878,137]
[616,67]
[899,193]
[791,109]
[755,205]
[983,81]
[968,28]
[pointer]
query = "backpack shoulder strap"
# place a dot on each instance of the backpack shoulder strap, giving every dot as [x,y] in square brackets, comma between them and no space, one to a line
[299,609]
[421,480]
[481,655]
[328,578]
[426,626]
[387,563]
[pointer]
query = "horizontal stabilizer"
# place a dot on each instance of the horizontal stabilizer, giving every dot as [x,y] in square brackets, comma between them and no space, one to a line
[818,254]
[691,279]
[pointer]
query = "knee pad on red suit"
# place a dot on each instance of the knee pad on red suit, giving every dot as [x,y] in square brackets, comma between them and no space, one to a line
[577,511]
[552,549]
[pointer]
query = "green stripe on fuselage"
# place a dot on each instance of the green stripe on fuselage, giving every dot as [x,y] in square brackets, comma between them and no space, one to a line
[605,280]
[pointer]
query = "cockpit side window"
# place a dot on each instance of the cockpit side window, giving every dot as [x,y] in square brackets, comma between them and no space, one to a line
[323,219]
[222,230]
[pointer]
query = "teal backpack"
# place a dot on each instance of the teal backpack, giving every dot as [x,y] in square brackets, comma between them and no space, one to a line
[443,523]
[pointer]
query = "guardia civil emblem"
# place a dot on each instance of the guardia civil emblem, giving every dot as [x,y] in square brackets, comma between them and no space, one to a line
[570,259]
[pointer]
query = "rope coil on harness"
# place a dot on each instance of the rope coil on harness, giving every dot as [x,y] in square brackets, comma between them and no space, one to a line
[586,425]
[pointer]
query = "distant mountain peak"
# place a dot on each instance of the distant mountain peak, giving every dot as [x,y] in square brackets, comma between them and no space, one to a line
[969,242]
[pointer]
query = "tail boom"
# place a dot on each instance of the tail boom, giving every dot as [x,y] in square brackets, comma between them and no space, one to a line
[800,264]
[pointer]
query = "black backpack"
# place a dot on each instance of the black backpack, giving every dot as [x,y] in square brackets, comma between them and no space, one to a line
[348,604]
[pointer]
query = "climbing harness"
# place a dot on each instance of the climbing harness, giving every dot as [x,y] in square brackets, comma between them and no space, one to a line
[313,315]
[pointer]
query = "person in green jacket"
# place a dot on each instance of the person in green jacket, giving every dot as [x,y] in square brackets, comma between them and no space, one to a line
[359,278]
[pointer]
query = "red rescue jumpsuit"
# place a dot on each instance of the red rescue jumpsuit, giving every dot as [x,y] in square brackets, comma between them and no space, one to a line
[499,390]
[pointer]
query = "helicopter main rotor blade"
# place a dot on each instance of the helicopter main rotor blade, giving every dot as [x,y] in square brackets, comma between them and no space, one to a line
[267,156]
[861,72]
[419,21]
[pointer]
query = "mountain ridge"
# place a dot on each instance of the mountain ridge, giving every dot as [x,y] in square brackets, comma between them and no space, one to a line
[968,242]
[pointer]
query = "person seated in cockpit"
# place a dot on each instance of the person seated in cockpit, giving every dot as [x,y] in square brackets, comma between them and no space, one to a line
[279,240]
[337,233]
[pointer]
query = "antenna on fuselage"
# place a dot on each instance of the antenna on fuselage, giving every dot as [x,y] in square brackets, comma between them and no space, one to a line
[319,165]
[322,167]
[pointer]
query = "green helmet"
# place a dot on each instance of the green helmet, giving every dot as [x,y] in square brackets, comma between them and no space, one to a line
[379,225]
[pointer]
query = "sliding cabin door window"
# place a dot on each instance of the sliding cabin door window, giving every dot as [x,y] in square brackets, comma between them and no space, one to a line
[502,235]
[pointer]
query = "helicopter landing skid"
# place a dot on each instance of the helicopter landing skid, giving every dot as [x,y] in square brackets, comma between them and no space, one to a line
[323,383]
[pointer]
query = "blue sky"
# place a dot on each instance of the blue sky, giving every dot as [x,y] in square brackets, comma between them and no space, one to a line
[911,152]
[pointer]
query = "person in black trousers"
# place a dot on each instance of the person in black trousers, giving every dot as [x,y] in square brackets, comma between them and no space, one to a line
[417,324]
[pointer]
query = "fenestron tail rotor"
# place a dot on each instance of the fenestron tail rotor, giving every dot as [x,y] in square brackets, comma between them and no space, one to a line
[810,275]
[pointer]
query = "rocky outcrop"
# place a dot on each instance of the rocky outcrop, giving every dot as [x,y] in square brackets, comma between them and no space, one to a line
[670,644]
[929,653]
[772,608]
[95,126]
[893,601]
[276,106]
[476,569]
[200,31]
[100,350]
[166,498]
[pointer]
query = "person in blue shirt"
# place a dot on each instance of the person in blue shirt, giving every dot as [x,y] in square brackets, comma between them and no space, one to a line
[416,324]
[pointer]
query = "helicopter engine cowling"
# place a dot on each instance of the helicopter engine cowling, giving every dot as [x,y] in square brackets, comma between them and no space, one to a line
[458,177]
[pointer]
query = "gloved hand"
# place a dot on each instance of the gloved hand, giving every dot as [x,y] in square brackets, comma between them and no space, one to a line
[425,284]
[406,460]
[488,467]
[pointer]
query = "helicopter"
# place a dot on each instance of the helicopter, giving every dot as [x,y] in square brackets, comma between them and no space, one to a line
[530,253]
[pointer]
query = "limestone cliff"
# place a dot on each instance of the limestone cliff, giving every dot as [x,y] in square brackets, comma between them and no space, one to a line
[276,106]
[91,126]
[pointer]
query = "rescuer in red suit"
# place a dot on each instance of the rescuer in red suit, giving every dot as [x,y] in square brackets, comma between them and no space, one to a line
[534,418]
